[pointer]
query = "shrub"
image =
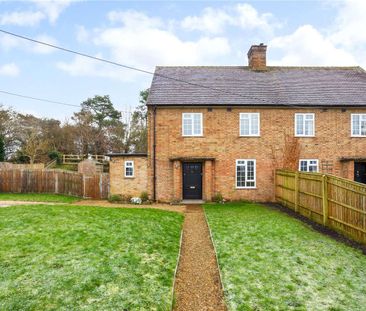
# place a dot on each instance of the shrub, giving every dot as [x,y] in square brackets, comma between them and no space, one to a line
[55,155]
[218,198]
[114,198]
[144,196]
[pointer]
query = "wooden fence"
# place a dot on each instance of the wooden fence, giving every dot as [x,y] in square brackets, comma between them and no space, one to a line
[76,158]
[335,202]
[55,181]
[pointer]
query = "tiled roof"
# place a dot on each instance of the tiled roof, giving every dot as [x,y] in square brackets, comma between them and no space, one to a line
[228,85]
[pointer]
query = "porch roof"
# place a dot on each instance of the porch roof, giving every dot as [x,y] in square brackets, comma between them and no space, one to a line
[355,158]
[193,159]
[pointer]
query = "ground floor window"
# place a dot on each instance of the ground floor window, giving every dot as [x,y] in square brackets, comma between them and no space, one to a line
[129,169]
[309,165]
[245,173]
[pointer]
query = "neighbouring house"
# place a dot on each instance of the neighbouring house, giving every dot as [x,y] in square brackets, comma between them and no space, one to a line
[225,129]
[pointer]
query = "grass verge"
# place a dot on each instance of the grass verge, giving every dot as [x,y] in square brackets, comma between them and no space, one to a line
[90,258]
[270,261]
[38,197]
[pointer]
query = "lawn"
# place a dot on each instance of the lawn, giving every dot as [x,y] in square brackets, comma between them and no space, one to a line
[38,197]
[270,261]
[87,258]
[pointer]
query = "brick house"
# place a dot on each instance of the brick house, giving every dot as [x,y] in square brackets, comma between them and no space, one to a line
[225,129]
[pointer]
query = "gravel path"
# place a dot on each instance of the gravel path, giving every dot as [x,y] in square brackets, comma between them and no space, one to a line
[197,285]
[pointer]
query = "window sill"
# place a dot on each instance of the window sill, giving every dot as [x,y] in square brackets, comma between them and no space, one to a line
[246,188]
[188,136]
[305,136]
[129,177]
[254,136]
[358,136]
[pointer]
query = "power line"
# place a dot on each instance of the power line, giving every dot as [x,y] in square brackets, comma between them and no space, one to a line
[140,70]
[38,99]
[48,100]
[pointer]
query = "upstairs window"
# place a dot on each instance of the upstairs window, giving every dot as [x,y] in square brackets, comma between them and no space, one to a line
[304,124]
[245,173]
[358,124]
[192,124]
[249,124]
[306,165]
[129,169]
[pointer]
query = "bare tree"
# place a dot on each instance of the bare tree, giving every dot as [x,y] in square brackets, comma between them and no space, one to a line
[34,146]
[286,155]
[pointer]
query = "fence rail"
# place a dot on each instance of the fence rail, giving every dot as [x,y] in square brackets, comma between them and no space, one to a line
[55,181]
[335,202]
[76,158]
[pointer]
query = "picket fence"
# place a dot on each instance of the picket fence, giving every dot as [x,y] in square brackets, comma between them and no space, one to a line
[55,181]
[335,202]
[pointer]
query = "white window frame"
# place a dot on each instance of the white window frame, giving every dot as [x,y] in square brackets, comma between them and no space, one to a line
[133,169]
[360,115]
[304,115]
[246,173]
[308,164]
[192,120]
[250,114]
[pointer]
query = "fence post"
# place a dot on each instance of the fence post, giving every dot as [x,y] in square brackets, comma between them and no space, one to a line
[296,191]
[56,181]
[83,186]
[325,199]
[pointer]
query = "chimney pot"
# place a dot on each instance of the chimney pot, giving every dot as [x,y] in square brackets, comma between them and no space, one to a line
[257,57]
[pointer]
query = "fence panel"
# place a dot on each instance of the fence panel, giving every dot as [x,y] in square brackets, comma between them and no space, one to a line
[310,196]
[332,201]
[54,181]
[285,188]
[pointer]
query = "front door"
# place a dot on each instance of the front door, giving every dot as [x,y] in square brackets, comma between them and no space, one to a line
[360,172]
[192,181]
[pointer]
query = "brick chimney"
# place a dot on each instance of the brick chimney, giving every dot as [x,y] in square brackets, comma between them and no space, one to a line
[257,57]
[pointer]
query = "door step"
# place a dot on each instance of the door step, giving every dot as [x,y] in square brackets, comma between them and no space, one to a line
[192,202]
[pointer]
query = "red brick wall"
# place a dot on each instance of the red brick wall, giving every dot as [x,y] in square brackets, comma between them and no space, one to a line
[221,141]
[128,186]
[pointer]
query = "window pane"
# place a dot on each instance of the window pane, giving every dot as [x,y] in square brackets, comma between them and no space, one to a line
[250,170]
[312,168]
[303,166]
[309,127]
[187,126]
[240,175]
[197,124]
[129,171]
[356,125]
[244,126]
[363,127]
[255,124]
[299,124]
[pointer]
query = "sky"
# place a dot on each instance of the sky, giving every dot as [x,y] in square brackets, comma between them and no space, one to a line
[145,34]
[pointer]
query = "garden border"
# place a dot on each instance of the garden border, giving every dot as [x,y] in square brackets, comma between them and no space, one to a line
[176,267]
[317,227]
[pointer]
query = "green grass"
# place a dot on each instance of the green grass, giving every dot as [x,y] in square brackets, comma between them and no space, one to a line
[38,197]
[270,261]
[87,258]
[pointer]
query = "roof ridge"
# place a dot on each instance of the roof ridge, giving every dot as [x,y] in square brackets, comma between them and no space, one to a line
[269,67]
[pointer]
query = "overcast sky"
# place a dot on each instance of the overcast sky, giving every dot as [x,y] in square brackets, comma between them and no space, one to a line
[149,33]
